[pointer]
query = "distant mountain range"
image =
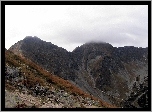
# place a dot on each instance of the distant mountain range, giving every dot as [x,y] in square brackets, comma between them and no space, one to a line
[118,76]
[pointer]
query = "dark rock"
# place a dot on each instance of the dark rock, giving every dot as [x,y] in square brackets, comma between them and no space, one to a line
[98,68]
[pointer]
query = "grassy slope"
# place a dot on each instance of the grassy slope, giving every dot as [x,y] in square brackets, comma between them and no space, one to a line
[36,74]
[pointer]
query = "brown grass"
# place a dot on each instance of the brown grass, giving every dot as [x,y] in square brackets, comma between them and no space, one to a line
[43,75]
[9,87]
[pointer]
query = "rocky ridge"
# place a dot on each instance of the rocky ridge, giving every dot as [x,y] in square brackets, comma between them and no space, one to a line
[100,69]
[29,86]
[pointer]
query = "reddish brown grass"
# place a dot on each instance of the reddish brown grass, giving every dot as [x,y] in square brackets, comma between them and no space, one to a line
[43,74]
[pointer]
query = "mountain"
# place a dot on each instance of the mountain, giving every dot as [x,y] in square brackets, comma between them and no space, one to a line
[51,57]
[27,85]
[111,73]
[106,72]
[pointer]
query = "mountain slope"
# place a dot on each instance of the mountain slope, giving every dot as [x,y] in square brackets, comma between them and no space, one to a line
[27,85]
[54,59]
[100,69]
[112,73]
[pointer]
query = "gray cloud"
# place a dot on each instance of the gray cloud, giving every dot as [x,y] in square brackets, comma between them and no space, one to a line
[70,26]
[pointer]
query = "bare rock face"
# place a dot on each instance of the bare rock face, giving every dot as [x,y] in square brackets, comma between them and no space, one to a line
[100,69]
[27,85]
[111,73]
[51,57]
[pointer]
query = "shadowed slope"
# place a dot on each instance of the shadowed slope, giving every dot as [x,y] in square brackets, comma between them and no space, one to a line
[29,74]
[100,69]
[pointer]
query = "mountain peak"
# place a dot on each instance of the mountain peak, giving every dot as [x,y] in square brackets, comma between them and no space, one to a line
[32,38]
[95,46]
[102,44]
[27,37]
[96,67]
[95,42]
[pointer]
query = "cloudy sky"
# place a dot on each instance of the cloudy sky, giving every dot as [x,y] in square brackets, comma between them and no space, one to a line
[69,26]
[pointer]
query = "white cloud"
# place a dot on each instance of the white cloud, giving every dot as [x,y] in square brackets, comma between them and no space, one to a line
[69,26]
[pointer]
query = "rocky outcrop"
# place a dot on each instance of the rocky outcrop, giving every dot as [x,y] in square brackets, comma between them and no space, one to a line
[138,98]
[100,69]
[29,86]
[111,74]
[51,57]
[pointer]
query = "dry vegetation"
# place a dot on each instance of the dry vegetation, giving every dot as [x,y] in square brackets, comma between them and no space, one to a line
[35,74]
